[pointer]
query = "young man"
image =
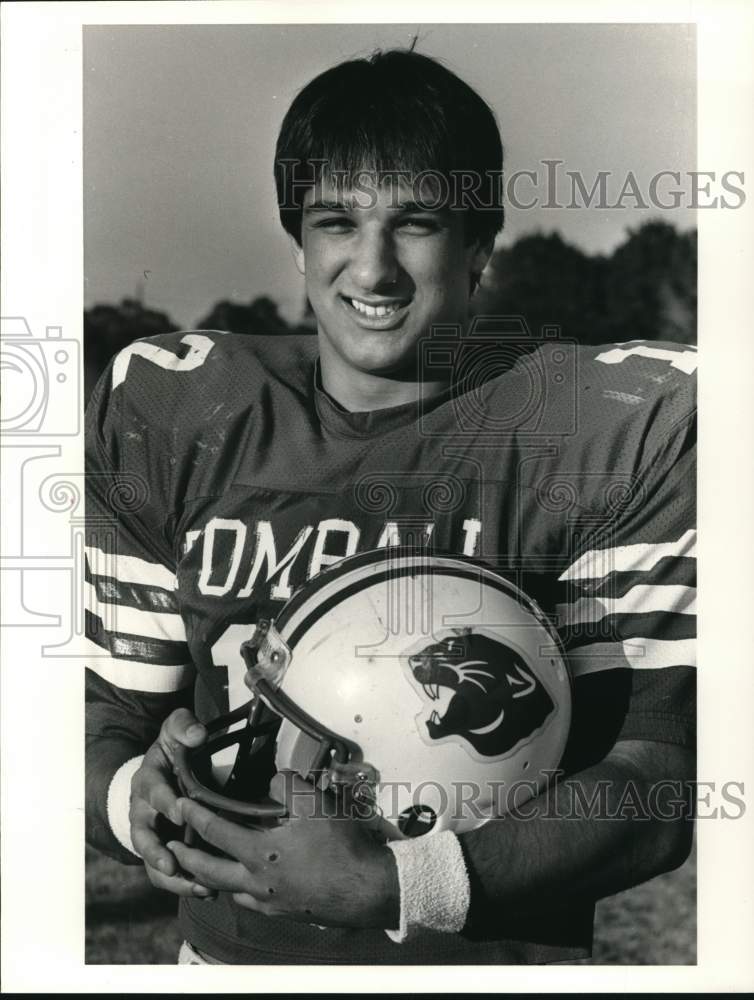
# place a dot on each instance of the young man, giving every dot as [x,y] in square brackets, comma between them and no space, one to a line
[225,472]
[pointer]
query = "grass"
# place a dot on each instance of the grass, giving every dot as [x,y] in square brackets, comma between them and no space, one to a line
[128,922]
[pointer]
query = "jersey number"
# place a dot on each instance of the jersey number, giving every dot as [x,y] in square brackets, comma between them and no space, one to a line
[226,652]
[683,359]
[199,348]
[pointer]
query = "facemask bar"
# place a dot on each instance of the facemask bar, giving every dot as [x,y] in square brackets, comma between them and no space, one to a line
[267,657]
[185,758]
[336,756]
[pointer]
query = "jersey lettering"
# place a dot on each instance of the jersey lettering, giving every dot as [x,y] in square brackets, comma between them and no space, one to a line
[239,531]
[266,552]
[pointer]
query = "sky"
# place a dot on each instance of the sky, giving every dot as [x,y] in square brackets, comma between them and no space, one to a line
[180,124]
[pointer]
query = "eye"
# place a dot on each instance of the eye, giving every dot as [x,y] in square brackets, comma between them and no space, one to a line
[419,225]
[334,224]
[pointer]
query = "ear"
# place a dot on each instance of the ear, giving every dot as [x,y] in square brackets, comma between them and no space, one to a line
[480,257]
[298,254]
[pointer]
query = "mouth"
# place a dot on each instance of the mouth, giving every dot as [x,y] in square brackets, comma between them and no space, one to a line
[383,314]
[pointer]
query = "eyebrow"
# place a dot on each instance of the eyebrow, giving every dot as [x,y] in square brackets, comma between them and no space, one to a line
[347,205]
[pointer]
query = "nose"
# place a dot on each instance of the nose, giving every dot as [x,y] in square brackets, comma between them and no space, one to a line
[374,264]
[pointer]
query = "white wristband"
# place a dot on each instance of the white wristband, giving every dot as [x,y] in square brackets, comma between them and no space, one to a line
[119,801]
[434,884]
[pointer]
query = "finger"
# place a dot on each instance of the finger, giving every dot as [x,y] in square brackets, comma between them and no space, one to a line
[238,841]
[149,847]
[163,799]
[218,873]
[146,839]
[178,885]
[181,728]
[248,901]
[152,791]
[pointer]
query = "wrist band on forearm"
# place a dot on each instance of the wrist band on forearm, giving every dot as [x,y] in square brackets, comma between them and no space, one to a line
[434,884]
[119,802]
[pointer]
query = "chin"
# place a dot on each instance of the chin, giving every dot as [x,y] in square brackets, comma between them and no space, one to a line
[377,357]
[383,363]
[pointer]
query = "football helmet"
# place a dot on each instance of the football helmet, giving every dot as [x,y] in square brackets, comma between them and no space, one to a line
[429,688]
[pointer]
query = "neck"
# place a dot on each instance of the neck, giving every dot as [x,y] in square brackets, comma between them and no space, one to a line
[359,392]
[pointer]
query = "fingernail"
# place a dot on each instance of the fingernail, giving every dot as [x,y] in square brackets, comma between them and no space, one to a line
[164,865]
[195,730]
[201,893]
[171,844]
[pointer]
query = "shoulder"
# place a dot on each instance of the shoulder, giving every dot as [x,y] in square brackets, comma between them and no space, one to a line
[610,399]
[210,356]
[182,373]
[638,397]
[593,424]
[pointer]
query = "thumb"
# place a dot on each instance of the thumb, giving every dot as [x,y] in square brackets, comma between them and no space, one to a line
[181,728]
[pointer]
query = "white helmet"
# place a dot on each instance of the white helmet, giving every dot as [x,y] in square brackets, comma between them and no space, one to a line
[430,686]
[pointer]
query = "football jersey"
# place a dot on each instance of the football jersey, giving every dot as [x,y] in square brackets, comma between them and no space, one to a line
[222,477]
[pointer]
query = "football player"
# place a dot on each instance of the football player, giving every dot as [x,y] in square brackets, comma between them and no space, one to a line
[225,472]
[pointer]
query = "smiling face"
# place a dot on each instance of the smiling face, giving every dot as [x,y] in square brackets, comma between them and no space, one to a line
[380,270]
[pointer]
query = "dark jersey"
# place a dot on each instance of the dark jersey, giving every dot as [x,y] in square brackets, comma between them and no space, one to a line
[222,477]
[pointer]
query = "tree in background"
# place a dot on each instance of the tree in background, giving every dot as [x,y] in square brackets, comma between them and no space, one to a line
[650,286]
[549,283]
[108,329]
[259,318]
[645,291]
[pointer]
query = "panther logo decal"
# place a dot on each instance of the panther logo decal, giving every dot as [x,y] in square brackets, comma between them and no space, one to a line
[491,699]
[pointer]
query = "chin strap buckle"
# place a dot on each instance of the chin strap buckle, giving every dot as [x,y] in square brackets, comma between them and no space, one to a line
[358,779]
[266,655]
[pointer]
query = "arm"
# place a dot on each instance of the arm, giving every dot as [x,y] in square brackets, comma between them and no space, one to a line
[121,724]
[139,671]
[553,860]
[330,871]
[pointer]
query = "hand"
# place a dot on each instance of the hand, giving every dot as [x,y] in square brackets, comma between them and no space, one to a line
[317,866]
[154,794]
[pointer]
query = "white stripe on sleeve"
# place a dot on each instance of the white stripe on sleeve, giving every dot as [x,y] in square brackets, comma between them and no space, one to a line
[152,678]
[129,569]
[637,654]
[641,599]
[598,563]
[120,618]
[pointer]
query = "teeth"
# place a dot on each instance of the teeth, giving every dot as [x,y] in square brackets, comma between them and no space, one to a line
[374,311]
[435,718]
[432,691]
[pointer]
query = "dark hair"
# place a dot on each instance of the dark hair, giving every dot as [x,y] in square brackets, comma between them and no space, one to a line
[396,110]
